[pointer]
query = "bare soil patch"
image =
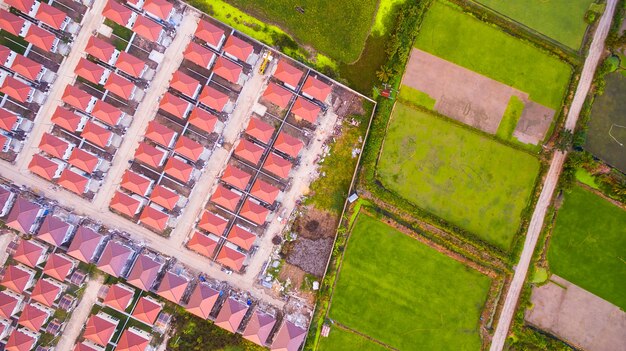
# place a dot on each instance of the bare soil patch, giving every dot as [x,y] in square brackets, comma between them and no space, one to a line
[533,123]
[315,224]
[310,255]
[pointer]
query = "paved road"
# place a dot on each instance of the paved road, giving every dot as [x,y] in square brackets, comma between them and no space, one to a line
[534,229]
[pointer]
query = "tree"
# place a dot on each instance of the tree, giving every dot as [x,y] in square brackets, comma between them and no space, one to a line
[384,74]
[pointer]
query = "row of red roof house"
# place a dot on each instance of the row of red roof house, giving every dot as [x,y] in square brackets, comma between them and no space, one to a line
[144,22]
[42,13]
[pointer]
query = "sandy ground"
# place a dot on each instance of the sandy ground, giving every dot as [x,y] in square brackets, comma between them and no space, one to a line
[5,239]
[534,123]
[534,229]
[577,316]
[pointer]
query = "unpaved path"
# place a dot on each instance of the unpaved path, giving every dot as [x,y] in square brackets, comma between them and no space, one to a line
[510,303]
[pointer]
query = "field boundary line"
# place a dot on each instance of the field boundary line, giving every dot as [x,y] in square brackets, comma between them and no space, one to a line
[365,336]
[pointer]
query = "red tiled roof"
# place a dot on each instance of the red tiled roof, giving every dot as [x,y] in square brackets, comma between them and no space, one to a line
[107,113]
[22,5]
[117,12]
[84,160]
[8,302]
[227,69]
[188,148]
[28,252]
[260,130]
[236,177]
[164,197]
[50,15]
[3,140]
[185,84]
[7,120]
[32,317]
[277,95]
[99,330]
[43,167]
[264,191]
[316,88]
[89,70]
[254,212]
[84,244]
[231,314]
[212,223]
[225,198]
[132,341]
[249,151]
[199,55]
[149,155]
[231,258]
[288,338]
[20,341]
[154,218]
[305,110]
[15,89]
[287,73]
[202,244]
[26,67]
[58,267]
[73,182]
[146,310]
[277,165]
[40,38]
[10,22]
[76,97]
[15,278]
[172,287]
[100,49]
[85,347]
[45,292]
[202,119]
[125,204]
[66,119]
[288,144]
[213,98]
[178,169]
[114,258]
[118,297]
[96,134]
[23,215]
[241,237]
[259,327]
[160,8]
[147,28]
[202,300]
[135,182]
[5,196]
[210,33]
[119,86]
[174,105]
[160,134]
[144,272]
[4,53]
[238,48]
[130,64]
[53,145]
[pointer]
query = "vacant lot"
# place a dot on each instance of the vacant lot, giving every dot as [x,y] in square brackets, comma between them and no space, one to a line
[588,245]
[343,340]
[405,294]
[608,115]
[454,36]
[562,20]
[462,176]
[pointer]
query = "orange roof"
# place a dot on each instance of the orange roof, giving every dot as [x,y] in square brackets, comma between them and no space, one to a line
[147,28]
[119,86]
[58,266]
[164,197]
[288,144]
[188,148]
[160,8]
[100,49]
[114,258]
[26,67]
[89,70]
[4,53]
[254,212]
[118,297]
[73,182]
[227,69]
[10,22]
[178,169]
[249,151]
[149,155]
[130,64]
[23,215]
[76,97]
[32,317]
[66,119]
[7,120]
[199,55]
[238,48]
[154,218]
[277,165]
[259,327]
[22,5]
[45,292]
[8,302]
[144,272]
[213,98]
[53,145]
[231,258]
[107,113]
[15,278]
[260,130]
[15,89]
[146,310]
[231,314]
[210,33]
[125,204]
[305,110]
[40,38]
[202,119]
[85,244]
[135,182]
[84,160]
[202,244]
[20,341]
[225,198]
[117,12]
[174,105]
[202,300]
[277,95]
[236,177]
[43,167]
[212,223]
[185,84]
[172,287]
[50,15]
[241,237]
[28,252]
[316,88]
[287,73]
[132,341]
[84,346]
[96,134]
[160,134]
[99,330]
[264,191]
[288,338]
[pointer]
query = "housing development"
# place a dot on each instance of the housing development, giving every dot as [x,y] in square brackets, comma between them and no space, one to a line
[373,175]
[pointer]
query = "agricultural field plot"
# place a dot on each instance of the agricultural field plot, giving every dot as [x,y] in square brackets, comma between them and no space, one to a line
[606,136]
[588,245]
[466,41]
[343,340]
[562,20]
[405,294]
[466,178]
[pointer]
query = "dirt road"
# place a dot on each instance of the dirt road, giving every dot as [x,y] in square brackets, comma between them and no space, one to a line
[536,223]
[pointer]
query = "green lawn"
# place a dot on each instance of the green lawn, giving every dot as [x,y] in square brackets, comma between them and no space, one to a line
[588,245]
[485,49]
[460,175]
[562,20]
[405,294]
[343,340]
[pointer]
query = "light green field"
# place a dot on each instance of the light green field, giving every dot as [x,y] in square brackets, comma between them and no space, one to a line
[462,176]
[405,294]
[511,116]
[415,97]
[561,20]
[457,37]
[343,340]
[588,245]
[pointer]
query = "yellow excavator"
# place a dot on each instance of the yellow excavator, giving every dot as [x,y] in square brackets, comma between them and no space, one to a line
[267,58]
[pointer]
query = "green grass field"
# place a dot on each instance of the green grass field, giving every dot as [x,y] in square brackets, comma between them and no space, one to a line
[561,20]
[405,294]
[485,49]
[343,340]
[588,245]
[511,116]
[460,175]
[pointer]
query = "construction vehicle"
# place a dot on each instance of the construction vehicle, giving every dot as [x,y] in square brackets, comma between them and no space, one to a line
[267,58]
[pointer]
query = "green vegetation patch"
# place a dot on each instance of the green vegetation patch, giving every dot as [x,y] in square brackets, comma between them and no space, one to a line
[562,20]
[415,97]
[511,116]
[343,340]
[460,38]
[458,174]
[588,245]
[405,294]
[583,176]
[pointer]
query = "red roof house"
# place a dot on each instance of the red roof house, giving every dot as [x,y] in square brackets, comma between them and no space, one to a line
[213,98]
[26,67]
[100,49]
[46,291]
[89,71]
[203,119]
[73,182]
[33,317]
[225,198]
[30,252]
[150,155]
[277,95]
[188,148]
[314,88]
[107,113]
[16,89]
[120,86]
[288,144]
[199,55]
[54,146]
[84,160]
[173,104]
[173,287]
[202,244]
[40,38]
[54,231]
[23,6]
[277,165]
[238,48]
[260,130]
[259,327]
[23,215]
[185,84]
[264,191]
[66,119]
[130,64]
[136,183]
[77,98]
[87,346]
[10,304]
[59,266]
[154,218]
[212,223]
[50,15]
[18,278]
[20,340]
[178,169]
[227,69]
[100,328]
[288,73]
[288,338]
[160,134]
[231,315]
[8,120]
[144,272]
[114,258]
[231,258]
[147,28]
[147,310]
[249,151]
[306,110]
[164,197]
[210,33]
[85,244]
[96,134]
[125,204]
[119,297]
[241,237]
[254,212]
[159,8]
[236,177]
[202,300]
[10,22]
[43,167]
[133,339]
[117,12]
